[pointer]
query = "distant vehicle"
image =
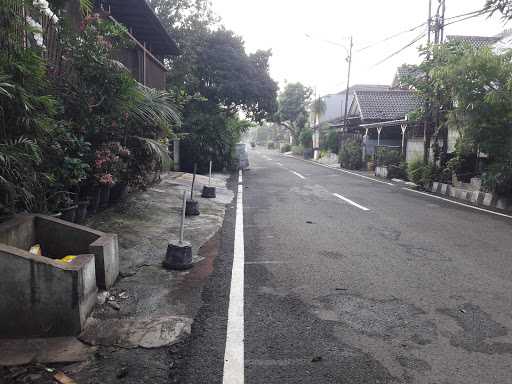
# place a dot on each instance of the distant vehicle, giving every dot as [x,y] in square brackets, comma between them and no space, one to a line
[242,156]
[253,144]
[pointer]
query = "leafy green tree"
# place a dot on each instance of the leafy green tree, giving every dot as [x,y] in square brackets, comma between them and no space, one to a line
[292,109]
[502,6]
[318,108]
[218,78]
[479,82]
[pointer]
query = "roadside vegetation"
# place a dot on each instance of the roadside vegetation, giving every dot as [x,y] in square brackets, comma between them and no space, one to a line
[70,129]
[81,128]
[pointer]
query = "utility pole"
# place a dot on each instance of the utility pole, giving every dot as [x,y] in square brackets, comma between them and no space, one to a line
[349,59]
[428,103]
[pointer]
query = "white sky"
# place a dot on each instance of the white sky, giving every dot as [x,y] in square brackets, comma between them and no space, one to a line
[281,25]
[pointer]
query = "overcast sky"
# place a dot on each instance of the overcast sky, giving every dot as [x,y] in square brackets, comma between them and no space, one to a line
[282,25]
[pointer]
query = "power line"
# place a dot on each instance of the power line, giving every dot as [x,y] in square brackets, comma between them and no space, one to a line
[456,19]
[482,12]
[391,37]
[414,41]
[469,15]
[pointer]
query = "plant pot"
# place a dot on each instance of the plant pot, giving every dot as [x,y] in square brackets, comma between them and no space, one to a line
[119,192]
[81,212]
[105,196]
[69,213]
[371,166]
[95,199]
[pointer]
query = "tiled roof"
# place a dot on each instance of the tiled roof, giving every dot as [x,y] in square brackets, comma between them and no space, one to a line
[475,41]
[386,105]
[335,104]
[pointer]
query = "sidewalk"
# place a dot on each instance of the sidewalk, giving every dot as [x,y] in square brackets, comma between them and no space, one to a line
[150,308]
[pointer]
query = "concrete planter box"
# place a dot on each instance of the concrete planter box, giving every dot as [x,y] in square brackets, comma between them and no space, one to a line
[381,172]
[472,196]
[40,292]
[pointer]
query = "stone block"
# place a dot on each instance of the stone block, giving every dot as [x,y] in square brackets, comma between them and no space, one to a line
[503,204]
[488,199]
[475,195]
[54,295]
[43,297]
[444,189]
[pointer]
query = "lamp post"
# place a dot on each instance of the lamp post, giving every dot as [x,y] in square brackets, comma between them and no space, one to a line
[349,61]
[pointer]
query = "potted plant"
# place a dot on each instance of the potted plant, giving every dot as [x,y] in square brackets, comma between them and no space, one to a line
[61,204]
[105,166]
[119,190]
[74,173]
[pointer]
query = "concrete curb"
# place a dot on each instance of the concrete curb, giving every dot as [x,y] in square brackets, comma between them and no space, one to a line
[477,198]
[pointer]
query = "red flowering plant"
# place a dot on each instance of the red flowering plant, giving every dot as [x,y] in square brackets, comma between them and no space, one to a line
[111,163]
[105,166]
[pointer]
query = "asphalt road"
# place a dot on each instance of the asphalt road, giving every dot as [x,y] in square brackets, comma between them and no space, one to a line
[349,280]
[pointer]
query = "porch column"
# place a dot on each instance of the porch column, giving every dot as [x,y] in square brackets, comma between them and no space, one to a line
[379,130]
[365,144]
[404,128]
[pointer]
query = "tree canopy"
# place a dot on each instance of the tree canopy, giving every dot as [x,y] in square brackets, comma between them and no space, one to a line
[217,79]
[292,108]
[502,6]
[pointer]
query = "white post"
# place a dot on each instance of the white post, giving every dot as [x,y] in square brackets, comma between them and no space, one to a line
[404,128]
[176,154]
[379,129]
[182,225]
[210,177]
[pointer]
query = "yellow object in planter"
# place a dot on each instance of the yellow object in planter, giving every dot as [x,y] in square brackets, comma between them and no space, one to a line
[68,259]
[36,250]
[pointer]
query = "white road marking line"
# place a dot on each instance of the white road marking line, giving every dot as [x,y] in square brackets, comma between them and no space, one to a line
[234,352]
[344,171]
[279,164]
[456,202]
[264,262]
[350,202]
[298,175]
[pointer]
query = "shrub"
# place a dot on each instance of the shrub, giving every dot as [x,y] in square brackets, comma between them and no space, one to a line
[464,166]
[385,156]
[271,145]
[286,148]
[332,141]
[420,173]
[398,171]
[306,138]
[298,150]
[498,179]
[350,155]
[415,171]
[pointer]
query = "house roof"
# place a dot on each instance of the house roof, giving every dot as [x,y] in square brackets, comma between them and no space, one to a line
[475,41]
[386,104]
[406,71]
[142,22]
[335,103]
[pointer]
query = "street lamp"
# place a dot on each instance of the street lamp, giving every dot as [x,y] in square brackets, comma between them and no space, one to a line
[349,60]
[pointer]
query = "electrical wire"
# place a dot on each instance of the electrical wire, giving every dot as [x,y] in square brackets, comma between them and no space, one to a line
[416,39]
[458,18]
[469,15]
[391,37]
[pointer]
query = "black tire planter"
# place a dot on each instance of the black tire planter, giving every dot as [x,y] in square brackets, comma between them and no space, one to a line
[192,208]
[119,192]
